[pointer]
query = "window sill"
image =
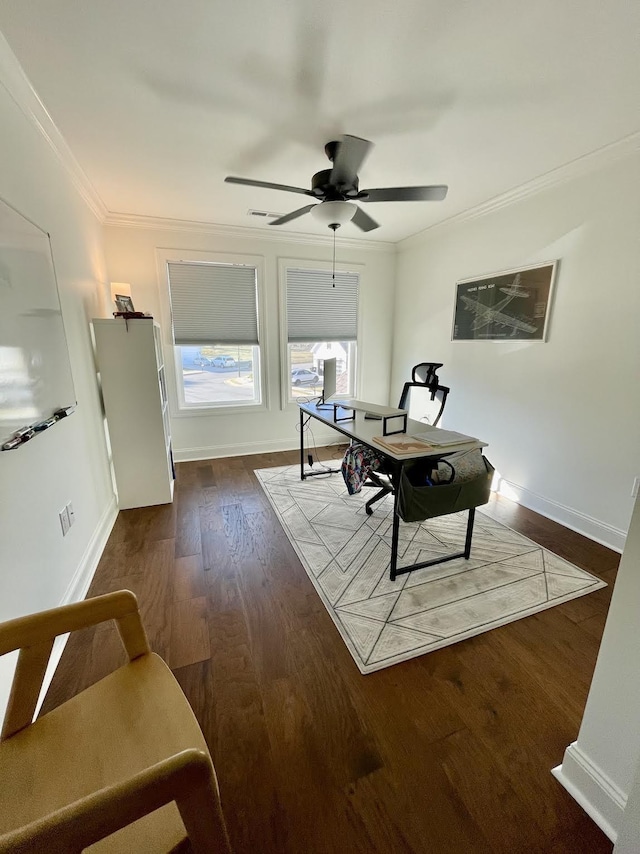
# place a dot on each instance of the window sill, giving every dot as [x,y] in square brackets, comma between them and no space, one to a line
[219,409]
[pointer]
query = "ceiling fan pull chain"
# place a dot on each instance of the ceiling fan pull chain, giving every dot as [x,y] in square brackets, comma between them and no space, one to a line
[334,258]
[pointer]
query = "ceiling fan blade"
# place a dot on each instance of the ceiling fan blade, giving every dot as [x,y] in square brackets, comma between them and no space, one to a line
[348,160]
[436,193]
[364,221]
[293,215]
[249,183]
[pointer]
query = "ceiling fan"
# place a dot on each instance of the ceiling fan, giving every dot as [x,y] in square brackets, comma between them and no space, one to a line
[337,189]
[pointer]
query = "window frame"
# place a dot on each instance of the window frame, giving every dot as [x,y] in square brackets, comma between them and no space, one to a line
[177,407]
[286,401]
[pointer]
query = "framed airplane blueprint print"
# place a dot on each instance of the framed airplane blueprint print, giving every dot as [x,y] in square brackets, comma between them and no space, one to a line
[509,306]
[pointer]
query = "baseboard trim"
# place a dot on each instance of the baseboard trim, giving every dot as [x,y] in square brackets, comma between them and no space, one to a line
[78,587]
[214,452]
[600,532]
[587,784]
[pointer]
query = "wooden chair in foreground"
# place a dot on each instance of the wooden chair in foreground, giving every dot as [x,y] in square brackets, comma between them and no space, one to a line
[121,767]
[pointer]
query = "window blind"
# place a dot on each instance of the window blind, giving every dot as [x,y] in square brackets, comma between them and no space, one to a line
[213,303]
[316,311]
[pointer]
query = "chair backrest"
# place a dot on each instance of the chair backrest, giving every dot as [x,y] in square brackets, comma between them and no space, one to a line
[424,398]
[425,373]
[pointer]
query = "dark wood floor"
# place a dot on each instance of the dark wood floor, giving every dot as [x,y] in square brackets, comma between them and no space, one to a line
[450,752]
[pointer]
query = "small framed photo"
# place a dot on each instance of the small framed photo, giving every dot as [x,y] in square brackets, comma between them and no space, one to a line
[124,304]
[512,305]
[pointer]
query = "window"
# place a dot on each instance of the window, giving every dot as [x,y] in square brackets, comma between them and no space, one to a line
[322,323]
[214,313]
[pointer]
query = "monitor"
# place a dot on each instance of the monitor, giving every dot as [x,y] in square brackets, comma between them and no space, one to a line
[329,379]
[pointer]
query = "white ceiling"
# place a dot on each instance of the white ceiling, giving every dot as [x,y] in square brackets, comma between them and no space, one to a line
[160,100]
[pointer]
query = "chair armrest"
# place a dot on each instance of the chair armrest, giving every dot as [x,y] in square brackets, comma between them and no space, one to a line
[33,635]
[35,629]
[188,778]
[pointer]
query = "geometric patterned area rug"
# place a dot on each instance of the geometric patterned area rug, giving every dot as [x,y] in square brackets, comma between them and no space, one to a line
[346,554]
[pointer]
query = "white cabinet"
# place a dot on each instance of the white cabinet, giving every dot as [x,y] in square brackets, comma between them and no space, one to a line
[134,390]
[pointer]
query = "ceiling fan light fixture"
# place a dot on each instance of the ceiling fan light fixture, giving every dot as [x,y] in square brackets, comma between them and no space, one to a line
[334,214]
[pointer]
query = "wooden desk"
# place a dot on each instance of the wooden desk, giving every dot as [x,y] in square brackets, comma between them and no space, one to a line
[365,430]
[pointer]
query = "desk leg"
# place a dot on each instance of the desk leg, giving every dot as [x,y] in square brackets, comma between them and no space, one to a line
[467,542]
[301,445]
[394,548]
[396,531]
[322,472]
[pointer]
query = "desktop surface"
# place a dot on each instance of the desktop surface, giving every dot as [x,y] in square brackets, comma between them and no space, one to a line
[366,431]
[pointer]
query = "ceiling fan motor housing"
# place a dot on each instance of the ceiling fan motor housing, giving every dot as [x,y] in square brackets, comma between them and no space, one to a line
[322,187]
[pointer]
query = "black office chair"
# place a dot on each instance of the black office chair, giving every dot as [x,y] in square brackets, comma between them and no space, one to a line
[424,398]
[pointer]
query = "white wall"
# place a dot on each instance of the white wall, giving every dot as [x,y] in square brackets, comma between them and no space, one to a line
[561,418]
[131,257]
[38,568]
[629,832]
[599,767]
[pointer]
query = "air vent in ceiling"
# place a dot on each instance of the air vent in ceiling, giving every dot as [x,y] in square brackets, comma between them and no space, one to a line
[263,214]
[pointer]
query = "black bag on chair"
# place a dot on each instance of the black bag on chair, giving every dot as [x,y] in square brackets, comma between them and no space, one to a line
[460,482]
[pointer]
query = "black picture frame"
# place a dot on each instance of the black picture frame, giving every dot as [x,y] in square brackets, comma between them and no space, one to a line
[512,305]
[124,304]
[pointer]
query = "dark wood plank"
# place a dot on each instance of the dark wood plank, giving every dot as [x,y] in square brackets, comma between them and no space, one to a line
[293,738]
[206,477]
[520,723]
[146,523]
[189,541]
[443,754]
[489,796]
[350,748]
[594,626]
[188,578]
[189,641]
[247,778]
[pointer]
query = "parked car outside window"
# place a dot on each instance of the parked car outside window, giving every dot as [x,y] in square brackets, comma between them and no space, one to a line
[224,362]
[302,376]
[203,361]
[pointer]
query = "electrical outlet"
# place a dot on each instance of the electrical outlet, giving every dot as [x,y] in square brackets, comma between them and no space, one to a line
[636,485]
[71,514]
[64,521]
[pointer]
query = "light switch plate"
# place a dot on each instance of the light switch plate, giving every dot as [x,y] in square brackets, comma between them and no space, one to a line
[64,521]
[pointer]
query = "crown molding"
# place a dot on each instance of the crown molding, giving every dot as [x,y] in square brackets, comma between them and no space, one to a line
[17,84]
[584,165]
[120,220]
